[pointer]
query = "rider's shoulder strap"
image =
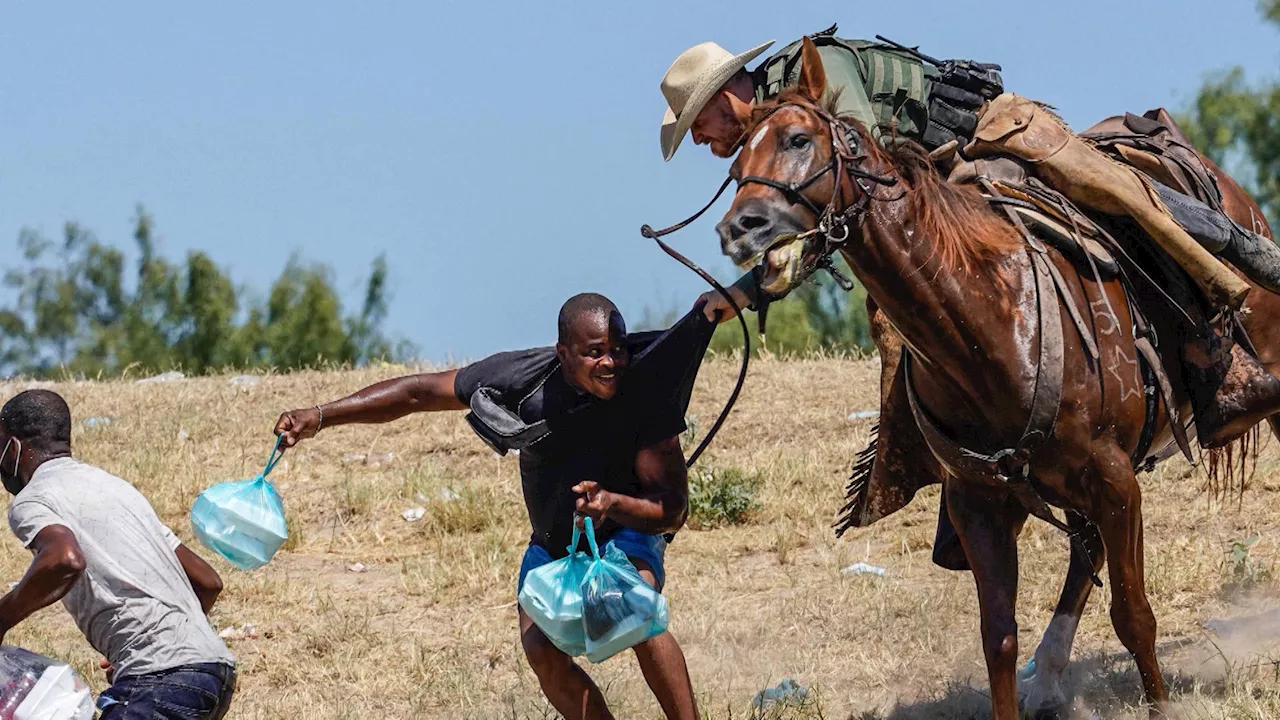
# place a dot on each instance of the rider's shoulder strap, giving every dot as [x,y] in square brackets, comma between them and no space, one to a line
[885,70]
[772,74]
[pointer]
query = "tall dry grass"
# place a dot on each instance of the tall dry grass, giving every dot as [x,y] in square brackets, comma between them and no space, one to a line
[428,629]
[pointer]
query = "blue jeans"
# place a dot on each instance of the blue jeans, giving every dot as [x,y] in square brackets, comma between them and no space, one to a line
[187,692]
[633,543]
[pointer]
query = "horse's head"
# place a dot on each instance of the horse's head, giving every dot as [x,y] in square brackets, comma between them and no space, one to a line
[789,173]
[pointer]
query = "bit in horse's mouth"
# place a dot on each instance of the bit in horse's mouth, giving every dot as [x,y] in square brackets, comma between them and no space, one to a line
[782,263]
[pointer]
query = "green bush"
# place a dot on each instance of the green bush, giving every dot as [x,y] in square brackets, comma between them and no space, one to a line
[722,496]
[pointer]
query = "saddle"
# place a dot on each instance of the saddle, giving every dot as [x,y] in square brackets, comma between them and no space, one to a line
[1153,143]
[883,480]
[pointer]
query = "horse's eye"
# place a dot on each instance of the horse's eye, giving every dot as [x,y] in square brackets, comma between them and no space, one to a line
[800,141]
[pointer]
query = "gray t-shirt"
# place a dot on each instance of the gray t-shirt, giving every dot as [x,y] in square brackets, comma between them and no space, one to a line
[133,602]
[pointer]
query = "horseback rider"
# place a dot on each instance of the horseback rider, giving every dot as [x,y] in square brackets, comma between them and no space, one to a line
[958,109]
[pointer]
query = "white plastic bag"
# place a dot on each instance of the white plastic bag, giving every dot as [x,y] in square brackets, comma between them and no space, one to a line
[35,687]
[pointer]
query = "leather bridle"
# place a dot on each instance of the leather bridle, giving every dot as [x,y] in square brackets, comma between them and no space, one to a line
[847,156]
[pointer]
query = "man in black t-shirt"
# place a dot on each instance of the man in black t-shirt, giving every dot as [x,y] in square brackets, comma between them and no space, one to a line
[594,439]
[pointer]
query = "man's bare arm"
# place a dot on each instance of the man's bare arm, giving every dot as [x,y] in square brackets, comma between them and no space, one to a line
[663,503]
[205,581]
[57,565]
[378,403]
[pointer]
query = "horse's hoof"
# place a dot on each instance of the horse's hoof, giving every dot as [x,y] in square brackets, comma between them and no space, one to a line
[1043,703]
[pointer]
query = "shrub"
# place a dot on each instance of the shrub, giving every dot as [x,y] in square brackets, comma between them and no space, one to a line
[722,496]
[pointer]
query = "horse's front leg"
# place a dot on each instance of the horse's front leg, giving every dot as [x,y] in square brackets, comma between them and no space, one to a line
[1045,696]
[988,520]
[1119,519]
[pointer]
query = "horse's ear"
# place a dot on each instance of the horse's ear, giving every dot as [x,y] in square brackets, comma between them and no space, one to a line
[813,77]
[741,110]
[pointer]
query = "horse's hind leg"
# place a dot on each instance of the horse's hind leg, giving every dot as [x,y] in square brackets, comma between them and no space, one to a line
[988,521]
[1118,515]
[1045,696]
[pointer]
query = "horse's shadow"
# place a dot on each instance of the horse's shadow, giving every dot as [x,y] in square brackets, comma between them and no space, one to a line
[1103,683]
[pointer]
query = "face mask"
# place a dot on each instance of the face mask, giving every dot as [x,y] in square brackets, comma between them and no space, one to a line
[11,481]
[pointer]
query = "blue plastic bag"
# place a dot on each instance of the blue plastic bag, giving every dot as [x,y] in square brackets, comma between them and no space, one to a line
[243,521]
[619,609]
[552,597]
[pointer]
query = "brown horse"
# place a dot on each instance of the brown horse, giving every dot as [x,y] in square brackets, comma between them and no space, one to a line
[980,324]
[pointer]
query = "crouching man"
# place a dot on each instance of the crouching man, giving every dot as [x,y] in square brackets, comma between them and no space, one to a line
[136,592]
[597,440]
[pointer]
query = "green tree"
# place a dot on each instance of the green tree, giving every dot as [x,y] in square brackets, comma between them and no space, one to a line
[74,312]
[1237,124]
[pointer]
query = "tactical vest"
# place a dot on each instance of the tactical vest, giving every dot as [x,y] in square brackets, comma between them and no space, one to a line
[900,96]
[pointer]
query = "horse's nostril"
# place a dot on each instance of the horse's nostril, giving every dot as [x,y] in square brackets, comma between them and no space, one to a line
[753,222]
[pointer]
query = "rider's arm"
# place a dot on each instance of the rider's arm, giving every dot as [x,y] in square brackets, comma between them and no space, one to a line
[378,403]
[745,292]
[844,76]
[748,288]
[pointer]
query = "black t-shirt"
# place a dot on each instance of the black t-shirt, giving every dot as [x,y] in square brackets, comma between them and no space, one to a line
[590,438]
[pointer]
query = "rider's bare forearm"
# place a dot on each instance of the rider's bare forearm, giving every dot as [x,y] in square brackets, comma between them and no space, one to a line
[393,399]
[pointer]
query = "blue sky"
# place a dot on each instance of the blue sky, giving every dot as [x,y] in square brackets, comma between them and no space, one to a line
[503,155]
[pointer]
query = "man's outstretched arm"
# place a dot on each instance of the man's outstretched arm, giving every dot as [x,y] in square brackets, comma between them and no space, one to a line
[57,565]
[378,403]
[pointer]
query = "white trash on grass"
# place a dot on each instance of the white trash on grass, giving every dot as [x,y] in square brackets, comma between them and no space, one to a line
[244,632]
[171,376]
[861,568]
[244,382]
[372,460]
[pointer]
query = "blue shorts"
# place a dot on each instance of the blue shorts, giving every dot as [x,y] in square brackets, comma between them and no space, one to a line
[634,544]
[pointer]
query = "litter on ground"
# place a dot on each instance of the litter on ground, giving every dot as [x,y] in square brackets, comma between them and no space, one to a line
[787,691]
[170,376]
[413,514]
[243,632]
[861,568]
[372,460]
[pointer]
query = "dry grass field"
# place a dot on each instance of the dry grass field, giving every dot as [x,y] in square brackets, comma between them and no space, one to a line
[427,629]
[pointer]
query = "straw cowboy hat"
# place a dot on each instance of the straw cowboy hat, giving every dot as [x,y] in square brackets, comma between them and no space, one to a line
[690,83]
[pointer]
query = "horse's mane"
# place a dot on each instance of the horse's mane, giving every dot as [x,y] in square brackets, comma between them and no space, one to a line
[960,223]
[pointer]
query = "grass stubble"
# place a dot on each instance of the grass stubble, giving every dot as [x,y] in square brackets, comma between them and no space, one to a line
[427,629]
